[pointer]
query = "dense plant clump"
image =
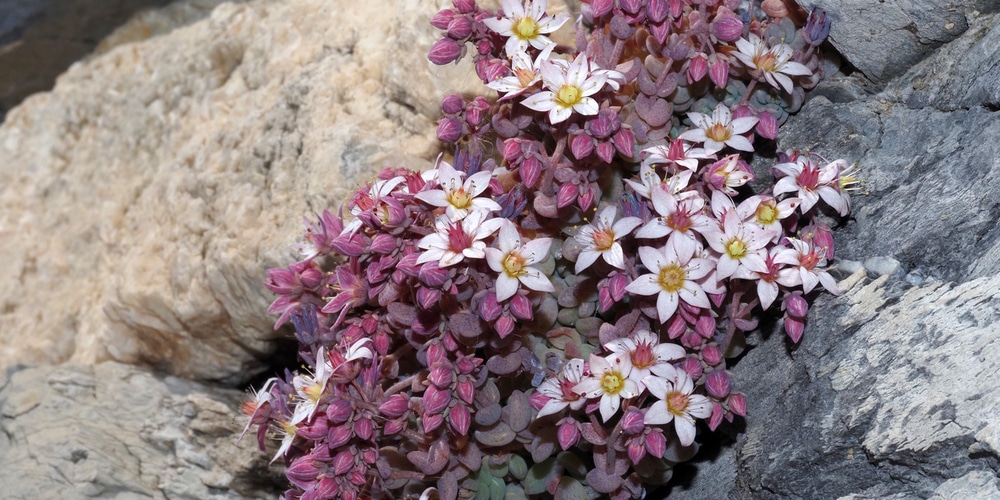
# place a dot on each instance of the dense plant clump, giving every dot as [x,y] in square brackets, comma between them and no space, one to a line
[550,312]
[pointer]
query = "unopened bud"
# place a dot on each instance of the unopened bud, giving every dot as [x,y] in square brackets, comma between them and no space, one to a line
[728,28]
[717,384]
[445,51]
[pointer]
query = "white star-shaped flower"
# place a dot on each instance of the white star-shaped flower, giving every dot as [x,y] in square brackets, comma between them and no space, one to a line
[676,404]
[600,239]
[773,64]
[457,197]
[720,130]
[512,259]
[525,25]
[672,277]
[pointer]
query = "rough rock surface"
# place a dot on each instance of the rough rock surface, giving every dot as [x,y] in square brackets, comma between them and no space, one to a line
[41,38]
[892,392]
[115,431]
[143,198]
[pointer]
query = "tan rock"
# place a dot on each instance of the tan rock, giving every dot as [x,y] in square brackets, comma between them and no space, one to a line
[142,200]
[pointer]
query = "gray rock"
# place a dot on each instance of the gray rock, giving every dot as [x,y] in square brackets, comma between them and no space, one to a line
[883,39]
[118,431]
[892,392]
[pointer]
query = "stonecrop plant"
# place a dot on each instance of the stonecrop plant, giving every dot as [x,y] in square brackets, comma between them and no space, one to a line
[550,309]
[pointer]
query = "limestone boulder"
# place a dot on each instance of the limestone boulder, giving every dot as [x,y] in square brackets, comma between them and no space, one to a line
[143,198]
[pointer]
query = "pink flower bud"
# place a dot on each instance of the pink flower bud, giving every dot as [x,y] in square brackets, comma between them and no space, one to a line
[432,422]
[719,72]
[490,70]
[601,7]
[604,125]
[767,125]
[325,488]
[489,309]
[712,355]
[395,406]
[657,10]
[343,462]
[660,31]
[581,146]
[383,243]
[530,171]
[459,419]
[466,391]
[504,326]
[697,69]
[460,27]
[636,450]
[369,456]
[302,471]
[568,434]
[452,104]
[737,404]
[394,426]
[728,28]
[436,353]
[716,417]
[567,195]
[520,307]
[357,477]
[794,327]
[449,130]
[436,400]
[586,197]
[693,367]
[632,422]
[717,384]
[364,428]
[604,300]
[656,444]
[315,431]
[465,6]
[796,305]
[624,141]
[676,327]
[676,8]
[339,411]
[441,376]
[427,298]
[705,326]
[339,436]
[442,18]
[606,151]
[445,51]
[512,150]
[433,275]
[474,111]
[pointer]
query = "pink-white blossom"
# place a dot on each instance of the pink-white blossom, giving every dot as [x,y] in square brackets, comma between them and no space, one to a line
[609,381]
[454,241]
[512,260]
[568,89]
[811,182]
[560,390]
[773,64]
[677,404]
[720,130]
[525,25]
[600,239]
[458,197]
[672,277]
[647,354]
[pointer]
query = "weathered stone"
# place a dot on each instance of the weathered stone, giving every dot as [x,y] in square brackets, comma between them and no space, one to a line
[118,431]
[144,197]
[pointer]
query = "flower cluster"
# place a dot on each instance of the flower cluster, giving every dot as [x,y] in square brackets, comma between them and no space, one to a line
[556,319]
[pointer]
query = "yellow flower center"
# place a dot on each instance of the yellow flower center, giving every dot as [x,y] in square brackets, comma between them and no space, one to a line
[526,28]
[569,95]
[513,264]
[766,62]
[313,392]
[677,403]
[612,383]
[672,278]
[767,214]
[718,132]
[459,198]
[603,240]
[736,249]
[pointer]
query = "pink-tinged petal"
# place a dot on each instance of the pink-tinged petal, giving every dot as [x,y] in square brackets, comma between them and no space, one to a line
[782,80]
[514,8]
[741,143]
[785,185]
[794,68]
[578,70]
[434,197]
[684,426]
[699,268]
[829,283]
[713,146]
[647,284]
[535,280]
[506,286]
[694,135]
[559,114]
[658,413]
[451,258]
[666,305]
[683,243]
[609,406]
[536,250]
[652,258]
[509,238]
[658,386]
[625,226]
[587,106]
[542,101]
[727,266]
[699,406]
[478,182]
[833,198]
[586,258]
[589,387]
[694,295]
[655,228]
[615,256]
[663,371]
[743,125]
[552,407]
[502,26]
[809,280]
[809,199]
[754,262]
[767,292]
